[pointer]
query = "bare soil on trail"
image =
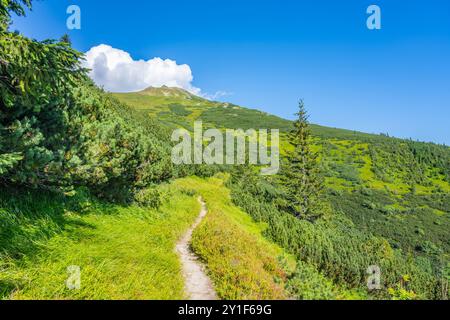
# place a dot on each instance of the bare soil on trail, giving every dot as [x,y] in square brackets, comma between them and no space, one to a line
[198,286]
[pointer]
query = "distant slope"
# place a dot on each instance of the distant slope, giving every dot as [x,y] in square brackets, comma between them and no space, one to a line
[178,107]
[379,160]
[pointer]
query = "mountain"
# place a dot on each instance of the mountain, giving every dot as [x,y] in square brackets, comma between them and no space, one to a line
[398,189]
[177,107]
[169,92]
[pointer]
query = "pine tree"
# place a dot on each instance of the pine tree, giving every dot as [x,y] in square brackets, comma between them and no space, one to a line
[59,131]
[14,6]
[66,39]
[301,178]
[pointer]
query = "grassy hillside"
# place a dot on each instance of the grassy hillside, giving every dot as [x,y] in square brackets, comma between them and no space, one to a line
[127,252]
[86,180]
[242,264]
[124,252]
[177,107]
[395,189]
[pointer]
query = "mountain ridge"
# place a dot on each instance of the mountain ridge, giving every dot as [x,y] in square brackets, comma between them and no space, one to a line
[157,101]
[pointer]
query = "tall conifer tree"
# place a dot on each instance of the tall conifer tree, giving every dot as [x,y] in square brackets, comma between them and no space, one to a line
[301,178]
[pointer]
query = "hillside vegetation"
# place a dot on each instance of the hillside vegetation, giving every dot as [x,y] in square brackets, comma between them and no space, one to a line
[127,252]
[124,252]
[87,180]
[396,191]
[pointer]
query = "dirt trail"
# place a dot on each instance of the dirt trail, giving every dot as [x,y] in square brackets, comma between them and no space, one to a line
[197,286]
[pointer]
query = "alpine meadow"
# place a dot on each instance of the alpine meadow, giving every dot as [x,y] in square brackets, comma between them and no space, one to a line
[94,207]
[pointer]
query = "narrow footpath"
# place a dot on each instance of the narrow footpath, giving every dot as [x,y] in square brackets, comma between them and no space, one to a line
[198,286]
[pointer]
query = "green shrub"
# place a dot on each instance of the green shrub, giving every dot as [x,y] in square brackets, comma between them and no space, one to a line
[179,110]
[334,245]
[149,197]
[189,192]
[38,118]
[307,284]
[369,205]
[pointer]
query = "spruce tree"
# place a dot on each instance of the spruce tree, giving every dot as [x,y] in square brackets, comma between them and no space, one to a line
[66,39]
[300,177]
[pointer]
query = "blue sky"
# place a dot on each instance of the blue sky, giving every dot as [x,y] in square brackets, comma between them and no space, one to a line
[268,54]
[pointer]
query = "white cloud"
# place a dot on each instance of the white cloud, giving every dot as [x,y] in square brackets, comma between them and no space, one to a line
[116,71]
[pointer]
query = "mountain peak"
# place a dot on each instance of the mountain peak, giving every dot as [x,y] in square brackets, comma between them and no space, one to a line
[167,92]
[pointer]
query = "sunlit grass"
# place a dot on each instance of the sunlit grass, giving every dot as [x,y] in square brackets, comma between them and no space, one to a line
[241,262]
[123,252]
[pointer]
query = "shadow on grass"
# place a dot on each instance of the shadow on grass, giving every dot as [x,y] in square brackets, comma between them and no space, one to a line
[29,217]
[7,288]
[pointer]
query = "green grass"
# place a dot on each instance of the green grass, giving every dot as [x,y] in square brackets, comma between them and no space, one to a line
[241,262]
[127,252]
[123,252]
